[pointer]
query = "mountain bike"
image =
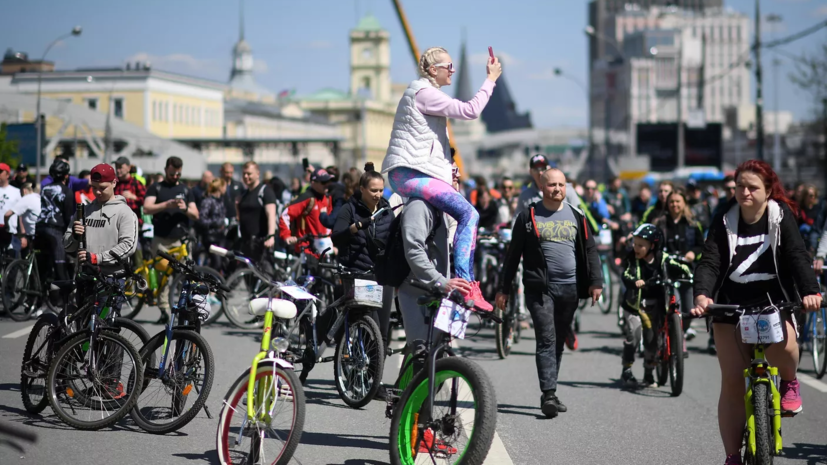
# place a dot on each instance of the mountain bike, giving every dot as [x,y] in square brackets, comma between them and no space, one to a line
[51,331]
[605,250]
[761,327]
[263,414]
[812,336]
[23,293]
[178,361]
[509,331]
[96,375]
[446,409]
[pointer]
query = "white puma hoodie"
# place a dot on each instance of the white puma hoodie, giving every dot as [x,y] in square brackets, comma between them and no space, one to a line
[113,227]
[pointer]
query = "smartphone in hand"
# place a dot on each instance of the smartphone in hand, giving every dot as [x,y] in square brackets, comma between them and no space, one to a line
[491,54]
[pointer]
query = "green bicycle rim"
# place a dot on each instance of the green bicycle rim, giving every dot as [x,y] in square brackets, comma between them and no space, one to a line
[413,405]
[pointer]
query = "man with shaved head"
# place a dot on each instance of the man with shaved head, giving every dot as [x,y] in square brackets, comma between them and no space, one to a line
[560,266]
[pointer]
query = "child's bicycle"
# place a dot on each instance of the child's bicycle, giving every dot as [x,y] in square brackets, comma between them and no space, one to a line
[443,407]
[263,415]
[760,326]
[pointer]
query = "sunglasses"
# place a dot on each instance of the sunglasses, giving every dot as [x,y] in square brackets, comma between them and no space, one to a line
[508,187]
[449,66]
[729,188]
[589,188]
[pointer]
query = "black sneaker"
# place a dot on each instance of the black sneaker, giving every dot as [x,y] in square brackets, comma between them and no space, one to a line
[649,378]
[561,407]
[549,404]
[628,378]
[381,394]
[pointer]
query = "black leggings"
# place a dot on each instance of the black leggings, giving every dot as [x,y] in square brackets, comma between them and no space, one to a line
[52,256]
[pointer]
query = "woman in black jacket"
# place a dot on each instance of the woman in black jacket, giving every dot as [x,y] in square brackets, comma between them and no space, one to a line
[354,228]
[753,255]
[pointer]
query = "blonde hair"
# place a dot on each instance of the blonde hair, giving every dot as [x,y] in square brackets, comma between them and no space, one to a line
[216,185]
[428,59]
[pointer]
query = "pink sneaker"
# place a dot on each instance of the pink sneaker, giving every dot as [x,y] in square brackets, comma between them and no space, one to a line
[733,459]
[790,396]
[476,296]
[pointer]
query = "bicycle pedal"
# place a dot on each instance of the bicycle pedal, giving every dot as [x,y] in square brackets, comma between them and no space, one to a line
[329,359]
[788,414]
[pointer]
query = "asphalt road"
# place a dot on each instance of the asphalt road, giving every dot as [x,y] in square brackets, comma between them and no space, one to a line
[604,424]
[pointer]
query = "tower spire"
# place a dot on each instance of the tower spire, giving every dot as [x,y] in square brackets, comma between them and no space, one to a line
[241,20]
[463,91]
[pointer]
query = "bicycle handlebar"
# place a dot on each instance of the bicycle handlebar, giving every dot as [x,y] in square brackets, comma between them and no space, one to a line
[191,272]
[438,292]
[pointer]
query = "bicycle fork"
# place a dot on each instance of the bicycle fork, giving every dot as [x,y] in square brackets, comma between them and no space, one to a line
[762,372]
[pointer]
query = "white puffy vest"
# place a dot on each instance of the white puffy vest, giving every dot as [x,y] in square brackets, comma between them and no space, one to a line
[418,141]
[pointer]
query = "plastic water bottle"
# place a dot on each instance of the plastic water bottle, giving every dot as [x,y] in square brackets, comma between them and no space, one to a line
[153,279]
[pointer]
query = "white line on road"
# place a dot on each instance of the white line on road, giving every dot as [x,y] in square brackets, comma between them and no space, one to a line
[812,382]
[19,333]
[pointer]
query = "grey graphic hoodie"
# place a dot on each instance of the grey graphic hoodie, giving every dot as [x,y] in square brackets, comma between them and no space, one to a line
[112,226]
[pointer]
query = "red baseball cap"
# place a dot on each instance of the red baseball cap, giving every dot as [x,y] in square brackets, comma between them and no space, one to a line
[5,167]
[103,173]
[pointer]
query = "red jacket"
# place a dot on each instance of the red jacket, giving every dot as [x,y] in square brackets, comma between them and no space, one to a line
[293,221]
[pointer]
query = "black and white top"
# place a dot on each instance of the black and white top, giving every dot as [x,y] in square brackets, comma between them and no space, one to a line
[752,279]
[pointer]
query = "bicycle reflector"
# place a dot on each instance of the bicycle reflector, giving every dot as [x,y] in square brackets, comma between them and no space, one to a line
[760,370]
[280,344]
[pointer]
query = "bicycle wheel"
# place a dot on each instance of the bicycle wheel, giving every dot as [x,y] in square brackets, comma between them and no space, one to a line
[133,332]
[504,334]
[174,397]
[214,299]
[819,342]
[20,299]
[275,433]
[675,354]
[93,389]
[135,300]
[607,296]
[36,358]
[359,361]
[244,287]
[764,441]
[464,406]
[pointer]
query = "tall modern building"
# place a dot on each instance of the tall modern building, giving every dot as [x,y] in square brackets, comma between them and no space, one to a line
[649,61]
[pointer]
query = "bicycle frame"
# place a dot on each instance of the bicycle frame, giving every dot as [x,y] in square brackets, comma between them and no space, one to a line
[180,252]
[760,371]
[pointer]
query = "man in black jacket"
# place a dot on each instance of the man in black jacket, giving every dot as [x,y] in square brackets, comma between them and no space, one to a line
[560,266]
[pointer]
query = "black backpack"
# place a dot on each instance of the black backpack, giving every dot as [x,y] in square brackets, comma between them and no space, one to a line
[390,265]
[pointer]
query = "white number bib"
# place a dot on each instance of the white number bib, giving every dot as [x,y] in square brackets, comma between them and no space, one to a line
[367,291]
[762,329]
[452,319]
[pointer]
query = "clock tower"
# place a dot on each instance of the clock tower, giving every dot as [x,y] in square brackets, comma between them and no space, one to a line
[370,60]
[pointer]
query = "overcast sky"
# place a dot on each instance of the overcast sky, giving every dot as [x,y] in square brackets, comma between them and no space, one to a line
[303,45]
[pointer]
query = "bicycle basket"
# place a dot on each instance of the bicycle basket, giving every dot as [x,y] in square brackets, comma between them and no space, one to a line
[362,291]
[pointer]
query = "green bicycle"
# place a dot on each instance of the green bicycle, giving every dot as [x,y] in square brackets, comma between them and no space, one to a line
[762,432]
[263,415]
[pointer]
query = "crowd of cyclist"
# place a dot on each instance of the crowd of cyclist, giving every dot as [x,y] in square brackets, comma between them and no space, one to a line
[555,221]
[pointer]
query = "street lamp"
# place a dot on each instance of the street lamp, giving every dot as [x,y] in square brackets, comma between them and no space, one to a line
[776,149]
[76,31]
[559,72]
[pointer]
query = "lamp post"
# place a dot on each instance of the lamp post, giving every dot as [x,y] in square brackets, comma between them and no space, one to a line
[776,149]
[76,31]
[559,72]
[621,58]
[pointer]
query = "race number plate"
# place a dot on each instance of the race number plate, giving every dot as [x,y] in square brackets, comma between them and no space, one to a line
[762,329]
[322,244]
[605,237]
[452,319]
[367,291]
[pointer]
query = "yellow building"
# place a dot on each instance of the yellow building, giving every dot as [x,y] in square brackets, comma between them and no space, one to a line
[168,105]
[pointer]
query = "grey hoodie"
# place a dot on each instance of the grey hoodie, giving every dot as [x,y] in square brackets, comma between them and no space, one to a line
[112,226]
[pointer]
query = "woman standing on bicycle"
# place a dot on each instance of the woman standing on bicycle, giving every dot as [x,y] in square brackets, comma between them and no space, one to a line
[754,256]
[354,228]
[684,237]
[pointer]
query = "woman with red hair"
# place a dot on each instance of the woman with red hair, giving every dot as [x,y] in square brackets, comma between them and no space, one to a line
[754,256]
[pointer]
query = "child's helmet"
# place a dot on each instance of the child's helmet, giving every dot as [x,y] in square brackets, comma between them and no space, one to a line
[651,233]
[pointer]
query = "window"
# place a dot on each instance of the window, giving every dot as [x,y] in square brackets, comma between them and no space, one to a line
[367,53]
[92,103]
[366,83]
[117,108]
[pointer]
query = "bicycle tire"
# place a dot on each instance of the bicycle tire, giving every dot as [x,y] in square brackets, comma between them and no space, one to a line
[135,303]
[233,406]
[676,354]
[20,307]
[244,286]
[40,401]
[138,340]
[135,378]
[175,286]
[819,343]
[607,296]
[484,400]
[764,443]
[662,367]
[503,334]
[179,392]
[375,365]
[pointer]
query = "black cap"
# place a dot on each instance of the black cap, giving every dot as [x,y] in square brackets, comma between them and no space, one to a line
[691,184]
[538,161]
[320,175]
[22,167]
[122,161]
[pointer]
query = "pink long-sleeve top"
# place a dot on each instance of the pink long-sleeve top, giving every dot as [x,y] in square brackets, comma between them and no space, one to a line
[434,102]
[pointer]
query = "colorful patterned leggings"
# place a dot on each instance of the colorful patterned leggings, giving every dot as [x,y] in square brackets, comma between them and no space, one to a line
[411,183]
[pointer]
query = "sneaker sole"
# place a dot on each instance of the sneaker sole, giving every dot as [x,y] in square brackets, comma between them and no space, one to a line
[793,412]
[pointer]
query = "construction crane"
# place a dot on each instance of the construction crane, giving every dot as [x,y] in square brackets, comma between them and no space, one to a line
[415,52]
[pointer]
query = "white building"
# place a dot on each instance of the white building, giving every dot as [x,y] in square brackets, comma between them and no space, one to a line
[709,48]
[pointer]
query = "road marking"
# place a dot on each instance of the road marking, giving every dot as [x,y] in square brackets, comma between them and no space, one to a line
[812,382]
[19,333]
[497,454]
